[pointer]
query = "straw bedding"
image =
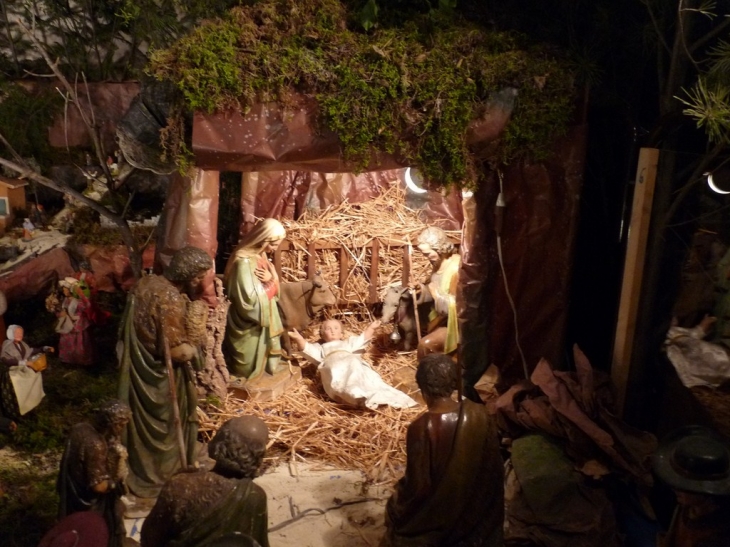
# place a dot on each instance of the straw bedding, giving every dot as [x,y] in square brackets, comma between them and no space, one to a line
[304,425]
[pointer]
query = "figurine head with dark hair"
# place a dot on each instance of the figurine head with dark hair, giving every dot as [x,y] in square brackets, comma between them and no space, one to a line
[112,417]
[187,268]
[239,446]
[436,376]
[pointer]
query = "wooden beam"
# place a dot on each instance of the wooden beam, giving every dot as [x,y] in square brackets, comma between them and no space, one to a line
[374,265]
[646,171]
[277,261]
[344,267]
[406,274]
[311,260]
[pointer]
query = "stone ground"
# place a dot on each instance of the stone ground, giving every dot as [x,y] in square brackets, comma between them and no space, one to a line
[352,516]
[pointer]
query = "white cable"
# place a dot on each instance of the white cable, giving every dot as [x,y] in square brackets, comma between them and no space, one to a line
[501,203]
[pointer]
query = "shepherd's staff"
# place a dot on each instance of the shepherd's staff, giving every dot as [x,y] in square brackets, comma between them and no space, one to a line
[173,397]
[406,282]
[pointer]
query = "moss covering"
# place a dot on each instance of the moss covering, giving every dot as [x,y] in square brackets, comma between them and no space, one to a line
[411,90]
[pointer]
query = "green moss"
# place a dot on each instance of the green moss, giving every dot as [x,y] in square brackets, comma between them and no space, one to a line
[28,503]
[411,90]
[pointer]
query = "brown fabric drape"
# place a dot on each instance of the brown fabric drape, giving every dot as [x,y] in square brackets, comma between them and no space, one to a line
[538,234]
[191,218]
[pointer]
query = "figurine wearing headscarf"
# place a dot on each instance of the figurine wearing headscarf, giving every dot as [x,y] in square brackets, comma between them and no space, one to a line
[21,384]
[252,344]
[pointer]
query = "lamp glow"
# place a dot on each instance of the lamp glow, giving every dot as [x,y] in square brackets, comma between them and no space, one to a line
[412,185]
[713,186]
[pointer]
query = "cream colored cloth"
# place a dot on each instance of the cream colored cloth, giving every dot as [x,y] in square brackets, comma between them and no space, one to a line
[697,362]
[28,386]
[349,380]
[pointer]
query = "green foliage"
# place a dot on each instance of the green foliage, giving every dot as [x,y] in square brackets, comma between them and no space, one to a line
[103,39]
[411,90]
[36,108]
[29,503]
[709,105]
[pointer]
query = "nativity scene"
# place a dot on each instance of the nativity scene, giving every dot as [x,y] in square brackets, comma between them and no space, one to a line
[311,283]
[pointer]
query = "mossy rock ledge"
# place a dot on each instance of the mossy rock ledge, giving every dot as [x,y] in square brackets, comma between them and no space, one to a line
[410,90]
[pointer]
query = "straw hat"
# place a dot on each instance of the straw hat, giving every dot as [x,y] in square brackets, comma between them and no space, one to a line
[694,459]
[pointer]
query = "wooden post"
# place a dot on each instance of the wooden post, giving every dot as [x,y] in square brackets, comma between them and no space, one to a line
[406,277]
[633,272]
[311,260]
[374,265]
[344,268]
[277,257]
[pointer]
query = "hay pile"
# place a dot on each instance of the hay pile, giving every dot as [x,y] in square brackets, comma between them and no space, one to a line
[355,226]
[303,423]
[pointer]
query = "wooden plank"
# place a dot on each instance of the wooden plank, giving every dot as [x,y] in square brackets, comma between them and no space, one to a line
[374,265]
[344,267]
[633,272]
[406,274]
[311,260]
[277,261]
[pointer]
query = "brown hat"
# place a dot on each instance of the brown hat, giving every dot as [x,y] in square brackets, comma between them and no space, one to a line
[83,529]
[694,459]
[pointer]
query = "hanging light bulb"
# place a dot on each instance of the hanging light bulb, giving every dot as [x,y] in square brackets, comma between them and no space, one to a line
[395,336]
[712,185]
[412,185]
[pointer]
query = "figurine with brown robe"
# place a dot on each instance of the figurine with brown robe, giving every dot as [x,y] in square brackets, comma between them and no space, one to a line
[452,493]
[94,467]
[252,345]
[163,330]
[443,333]
[200,507]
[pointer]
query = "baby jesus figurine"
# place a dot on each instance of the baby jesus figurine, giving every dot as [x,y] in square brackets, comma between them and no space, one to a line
[346,377]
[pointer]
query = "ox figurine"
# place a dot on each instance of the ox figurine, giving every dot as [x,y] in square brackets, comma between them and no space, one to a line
[299,302]
[398,307]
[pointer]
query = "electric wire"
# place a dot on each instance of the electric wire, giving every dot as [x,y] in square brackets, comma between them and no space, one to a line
[500,203]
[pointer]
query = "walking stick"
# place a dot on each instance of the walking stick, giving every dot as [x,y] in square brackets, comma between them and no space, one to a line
[406,281]
[173,397]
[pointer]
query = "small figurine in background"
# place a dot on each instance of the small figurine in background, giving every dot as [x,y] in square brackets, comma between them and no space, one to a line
[443,333]
[21,384]
[94,467]
[346,377]
[75,347]
[28,229]
[201,507]
[453,489]
[252,343]
[38,215]
[159,385]
[695,462]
